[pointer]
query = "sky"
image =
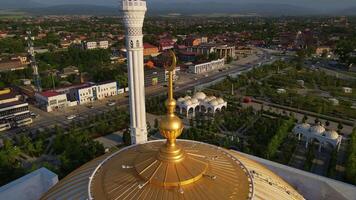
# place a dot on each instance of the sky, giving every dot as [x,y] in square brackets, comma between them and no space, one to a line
[305,3]
[309,6]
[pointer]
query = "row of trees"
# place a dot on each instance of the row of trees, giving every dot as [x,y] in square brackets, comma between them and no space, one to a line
[12,45]
[344,49]
[74,149]
[10,165]
[279,137]
[351,159]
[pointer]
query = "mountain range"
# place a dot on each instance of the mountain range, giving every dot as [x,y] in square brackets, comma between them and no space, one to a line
[110,7]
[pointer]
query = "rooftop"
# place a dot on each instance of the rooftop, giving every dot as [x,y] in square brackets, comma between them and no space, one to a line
[50,93]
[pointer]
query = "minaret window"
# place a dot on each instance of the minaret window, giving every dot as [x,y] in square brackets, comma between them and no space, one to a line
[137,43]
[131,44]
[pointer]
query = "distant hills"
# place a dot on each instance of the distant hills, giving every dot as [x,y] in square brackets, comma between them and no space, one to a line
[166,7]
[18,4]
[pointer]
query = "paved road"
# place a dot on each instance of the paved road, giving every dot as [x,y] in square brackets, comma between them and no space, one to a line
[50,120]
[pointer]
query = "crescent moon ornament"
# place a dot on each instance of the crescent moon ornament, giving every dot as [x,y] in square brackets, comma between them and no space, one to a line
[173,65]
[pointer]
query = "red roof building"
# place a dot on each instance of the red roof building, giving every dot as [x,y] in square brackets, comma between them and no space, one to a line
[165,44]
[49,93]
[149,49]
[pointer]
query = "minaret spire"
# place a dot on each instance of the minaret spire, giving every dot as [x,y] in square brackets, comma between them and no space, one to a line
[133,17]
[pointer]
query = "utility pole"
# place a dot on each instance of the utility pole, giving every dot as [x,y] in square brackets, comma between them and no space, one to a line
[31,54]
[232,89]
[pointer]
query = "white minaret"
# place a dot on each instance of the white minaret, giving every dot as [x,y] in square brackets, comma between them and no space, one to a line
[133,16]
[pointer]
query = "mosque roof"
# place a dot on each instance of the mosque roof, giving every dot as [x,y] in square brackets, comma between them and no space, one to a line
[229,176]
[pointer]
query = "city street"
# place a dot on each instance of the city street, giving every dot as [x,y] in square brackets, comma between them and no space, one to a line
[189,81]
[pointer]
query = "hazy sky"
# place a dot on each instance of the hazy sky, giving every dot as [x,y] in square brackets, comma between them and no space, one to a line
[321,5]
[305,3]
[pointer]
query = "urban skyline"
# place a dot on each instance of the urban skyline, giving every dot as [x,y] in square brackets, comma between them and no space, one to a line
[177,105]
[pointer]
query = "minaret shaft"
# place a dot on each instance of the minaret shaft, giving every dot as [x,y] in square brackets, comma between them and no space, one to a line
[133,15]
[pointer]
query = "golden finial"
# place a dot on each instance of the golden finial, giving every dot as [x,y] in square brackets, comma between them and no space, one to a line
[171,167]
[171,126]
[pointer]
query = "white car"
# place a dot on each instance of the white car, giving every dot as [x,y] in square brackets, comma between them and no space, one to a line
[111,104]
[70,117]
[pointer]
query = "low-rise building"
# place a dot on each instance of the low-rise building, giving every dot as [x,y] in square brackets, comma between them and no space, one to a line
[12,65]
[14,111]
[82,94]
[68,71]
[51,100]
[192,41]
[223,51]
[91,45]
[104,44]
[207,67]
[347,90]
[149,50]
[105,90]
[165,44]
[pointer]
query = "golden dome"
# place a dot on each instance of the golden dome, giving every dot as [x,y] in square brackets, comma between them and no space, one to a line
[230,175]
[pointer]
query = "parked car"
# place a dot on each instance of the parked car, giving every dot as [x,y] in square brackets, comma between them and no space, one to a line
[33,115]
[70,117]
[111,104]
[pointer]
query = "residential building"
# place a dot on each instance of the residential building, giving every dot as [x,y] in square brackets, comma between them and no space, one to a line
[12,65]
[3,34]
[149,50]
[68,71]
[91,45]
[320,51]
[192,41]
[104,44]
[347,90]
[165,44]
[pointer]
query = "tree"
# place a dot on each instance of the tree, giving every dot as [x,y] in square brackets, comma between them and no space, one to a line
[305,119]
[340,126]
[156,124]
[127,137]
[229,59]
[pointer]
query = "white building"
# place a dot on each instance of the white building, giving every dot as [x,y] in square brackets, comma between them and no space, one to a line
[91,45]
[83,94]
[318,133]
[105,90]
[51,100]
[29,187]
[103,44]
[334,101]
[207,67]
[133,17]
[200,103]
[347,90]
[281,91]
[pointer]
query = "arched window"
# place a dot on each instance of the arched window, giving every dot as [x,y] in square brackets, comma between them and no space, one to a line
[137,43]
[131,44]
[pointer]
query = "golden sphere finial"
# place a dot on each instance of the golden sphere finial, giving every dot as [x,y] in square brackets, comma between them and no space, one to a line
[171,126]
